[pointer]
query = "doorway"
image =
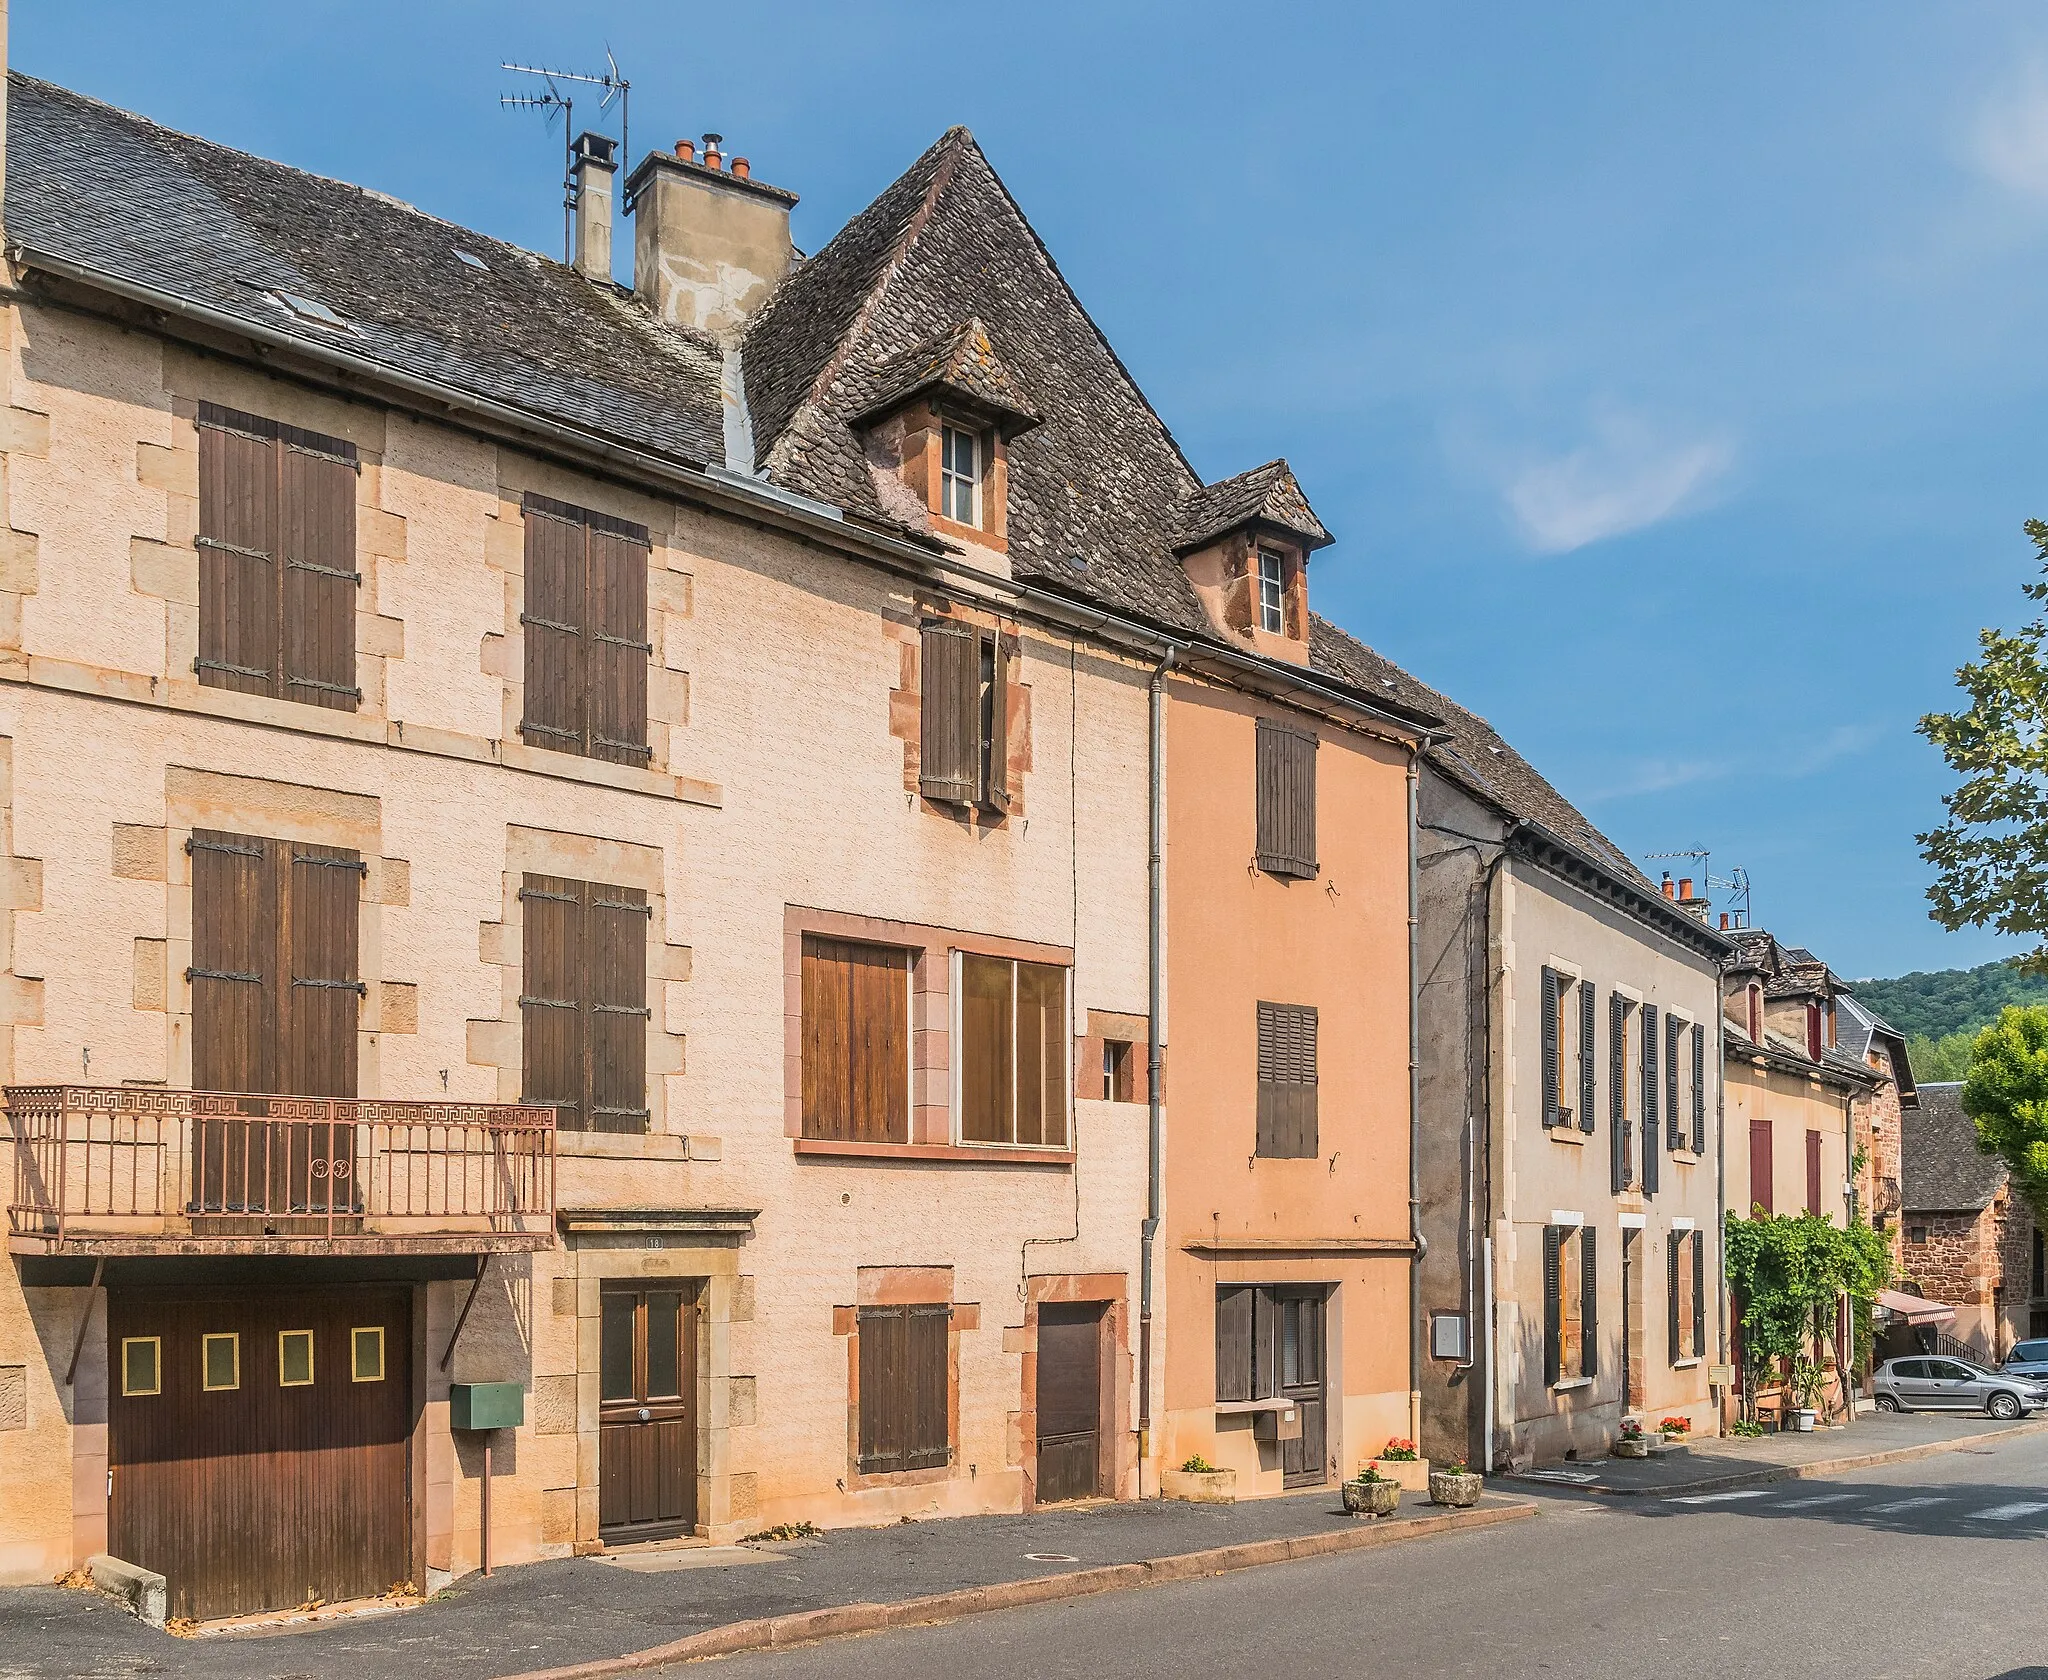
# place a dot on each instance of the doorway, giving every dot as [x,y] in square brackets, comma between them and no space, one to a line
[1631,1319]
[1069,1402]
[647,1412]
[1298,1323]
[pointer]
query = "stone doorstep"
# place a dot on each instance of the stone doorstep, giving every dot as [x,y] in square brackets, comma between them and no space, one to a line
[807,1627]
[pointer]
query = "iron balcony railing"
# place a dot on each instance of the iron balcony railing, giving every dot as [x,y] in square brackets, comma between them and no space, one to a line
[136,1167]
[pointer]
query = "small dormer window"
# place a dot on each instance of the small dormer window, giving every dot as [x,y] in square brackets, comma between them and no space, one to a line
[960,477]
[1272,591]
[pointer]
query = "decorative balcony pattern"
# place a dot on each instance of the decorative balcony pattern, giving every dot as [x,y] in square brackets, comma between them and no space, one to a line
[143,1170]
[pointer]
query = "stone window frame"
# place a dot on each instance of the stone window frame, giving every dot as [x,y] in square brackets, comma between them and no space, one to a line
[906,455]
[897,1286]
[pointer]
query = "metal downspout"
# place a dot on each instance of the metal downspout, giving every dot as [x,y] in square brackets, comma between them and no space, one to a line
[1155,941]
[1721,1345]
[1419,1241]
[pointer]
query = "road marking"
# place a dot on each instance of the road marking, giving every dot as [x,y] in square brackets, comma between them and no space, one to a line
[2007,1513]
[1716,1498]
[1815,1499]
[1908,1504]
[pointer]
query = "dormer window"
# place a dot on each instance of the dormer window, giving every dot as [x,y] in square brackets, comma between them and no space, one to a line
[1244,544]
[1272,591]
[960,476]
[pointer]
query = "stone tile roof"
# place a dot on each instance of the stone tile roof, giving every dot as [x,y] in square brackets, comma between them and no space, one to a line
[1941,1168]
[123,197]
[1268,494]
[961,364]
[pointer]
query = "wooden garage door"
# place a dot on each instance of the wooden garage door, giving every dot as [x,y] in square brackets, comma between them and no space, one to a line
[259,1442]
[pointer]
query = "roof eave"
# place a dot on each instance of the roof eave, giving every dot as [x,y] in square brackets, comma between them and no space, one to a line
[1547,850]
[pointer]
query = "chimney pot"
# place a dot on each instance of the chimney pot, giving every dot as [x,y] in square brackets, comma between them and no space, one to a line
[1685,886]
[687,150]
[593,169]
[740,168]
[1668,891]
[712,158]
[1724,921]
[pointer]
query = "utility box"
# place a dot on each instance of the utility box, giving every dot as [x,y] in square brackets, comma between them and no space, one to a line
[499,1405]
[1277,1423]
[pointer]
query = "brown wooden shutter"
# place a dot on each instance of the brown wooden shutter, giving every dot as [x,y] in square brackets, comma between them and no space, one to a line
[1699,1294]
[1549,1012]
[1760,1174]
[1285,796]
[237,911]
[553,626]
[1589,1303]
[996,726]
[615,994]
[317,544]
[929,1437]
[1234,1342]
[553,1022]
[1617,1089]
[1673,1247]
[1699,1089]
[1651,1152]
[855,1038]
[1813,1172]
[1287,1126]
[238,562]
[949,713]
[1674,1112]
[1589,1084]
[323,1005]
[885,1381]
[618,643]
[1553,1307]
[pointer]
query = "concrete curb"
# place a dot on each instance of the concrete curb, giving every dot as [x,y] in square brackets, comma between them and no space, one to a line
[1797,1472]
[777,1632]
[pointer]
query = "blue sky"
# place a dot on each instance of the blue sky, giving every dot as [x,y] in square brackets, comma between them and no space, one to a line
[1674,378]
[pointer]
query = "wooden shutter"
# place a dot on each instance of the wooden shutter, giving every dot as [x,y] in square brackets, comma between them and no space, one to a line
[1287,1081]
[949,714]
[237,913]
[238,566]
[1674,1244]
[1285,798]
[1589,1084]
[885,1389]
[929,1436]
[1589,1303]
[1760,1175]
[583,1005]
[855,1037]
[1674,1113]
[1699,1090]
[615,996]
[1553,1307]
[1550,1093]
[1699,1294]
[553,1023]
[1651,1151]
[1813,1172]
[1234,1342]
[316,508]
[322,1006]
[1617,1089]
[618,643]
[553,627]
[995,730]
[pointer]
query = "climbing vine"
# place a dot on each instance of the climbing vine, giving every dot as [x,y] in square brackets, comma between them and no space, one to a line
[1786,1272]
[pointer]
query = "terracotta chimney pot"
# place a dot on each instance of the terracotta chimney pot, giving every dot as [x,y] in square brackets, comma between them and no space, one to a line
[740,169]
[713,158]
[1724,921]
[687,150]
[1685,886]
[1669,891]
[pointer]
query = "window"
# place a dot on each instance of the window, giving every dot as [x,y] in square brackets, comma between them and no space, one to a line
[960,476]
[1011,1035]
[1569,1091]
[1268,1339]
[1571,1330]
[1813,1172]
[1118,1077]
[585,629]
[1272,591]
[963,715]
[1760,1174]
[1287,1082]
[366,1353]
[856,1041]
[220,1362]
[583,1010]
[141,1365]
[1687,1280]
[905,1388]
[1286,800]
[294,1358]
[1916,1234]
[275,998]
[277,560]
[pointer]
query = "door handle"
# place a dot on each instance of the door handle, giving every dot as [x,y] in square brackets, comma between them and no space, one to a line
[645,1415]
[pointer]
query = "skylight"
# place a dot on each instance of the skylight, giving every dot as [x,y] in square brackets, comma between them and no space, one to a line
[308,309]
[476,262]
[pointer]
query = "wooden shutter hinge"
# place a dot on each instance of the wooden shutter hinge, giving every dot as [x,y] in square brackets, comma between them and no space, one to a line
[222,974]
[359,987]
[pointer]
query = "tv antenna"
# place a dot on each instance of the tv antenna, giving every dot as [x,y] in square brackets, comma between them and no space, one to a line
[1735,883]
[556,99]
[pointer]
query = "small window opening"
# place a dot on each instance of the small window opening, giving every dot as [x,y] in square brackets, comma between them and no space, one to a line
[366,1354]
[220,1361]
[294,1358]
[1118,1070]
[960,476]
[1272,586]
[142,1365]
[1916,1233]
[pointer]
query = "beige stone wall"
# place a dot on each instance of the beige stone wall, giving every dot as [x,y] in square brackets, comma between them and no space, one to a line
[775,782]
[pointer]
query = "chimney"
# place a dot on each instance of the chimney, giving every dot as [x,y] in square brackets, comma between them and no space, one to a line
[1724,921]
[709,243]
[1668,893]
[1684,888]
[595,164]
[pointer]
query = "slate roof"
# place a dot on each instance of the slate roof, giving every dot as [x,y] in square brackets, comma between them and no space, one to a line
[120,195]
[962,364]
[1268,494]
[1941,1168]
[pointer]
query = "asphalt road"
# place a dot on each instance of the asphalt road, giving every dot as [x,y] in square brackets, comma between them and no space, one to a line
[1932,1570]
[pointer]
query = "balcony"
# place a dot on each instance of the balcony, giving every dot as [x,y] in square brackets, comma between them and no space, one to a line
[130,1170]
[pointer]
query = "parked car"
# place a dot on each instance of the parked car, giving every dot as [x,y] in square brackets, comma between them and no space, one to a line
[2028,1359]
[1931,1384]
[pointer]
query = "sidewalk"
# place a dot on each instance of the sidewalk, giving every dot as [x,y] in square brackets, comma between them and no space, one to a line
[576,1611]
[1711,1466]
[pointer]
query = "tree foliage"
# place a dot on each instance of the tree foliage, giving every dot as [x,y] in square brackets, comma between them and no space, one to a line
[1991,856]
[1786,1271]
[2006,1094]
[1941,1059]
[1949,1002]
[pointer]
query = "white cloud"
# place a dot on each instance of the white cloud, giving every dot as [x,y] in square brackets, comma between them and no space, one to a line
[2009,139]
[1627,478]
[1660,775]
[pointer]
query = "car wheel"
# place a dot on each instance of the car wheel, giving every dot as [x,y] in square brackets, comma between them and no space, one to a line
[1885,1403]
[2004,1406]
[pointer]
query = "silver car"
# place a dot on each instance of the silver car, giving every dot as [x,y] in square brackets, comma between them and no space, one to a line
[1937,1384]
[2028,1359]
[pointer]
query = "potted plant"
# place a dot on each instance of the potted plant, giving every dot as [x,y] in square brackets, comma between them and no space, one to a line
[1632,1442]
[1369,1494]
[1457,1483]
[1199,1483]
[1401,1462]
[1809,1382]
[1675,1428]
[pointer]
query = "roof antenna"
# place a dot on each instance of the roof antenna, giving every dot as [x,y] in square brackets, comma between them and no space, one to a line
[615,87]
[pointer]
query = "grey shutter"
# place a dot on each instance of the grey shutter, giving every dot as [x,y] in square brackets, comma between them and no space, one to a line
[1234,1342]
[1553,1307]
[1674,1112]
[1285,796]
[1550,1098]
[1287,1082]
[1589,1304]
[1617,1088]
[1588,1059]
[1699,1090]
[1651,1151]
[1674,1243]
[949,714]
[1699,1294]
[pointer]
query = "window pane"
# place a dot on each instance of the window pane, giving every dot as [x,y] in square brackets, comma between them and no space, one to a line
[222,1362]
[615,1349]
[664,1319]
[294,1358]
[138,1365]
[1041,1054]
[366,1362]
[986,1098]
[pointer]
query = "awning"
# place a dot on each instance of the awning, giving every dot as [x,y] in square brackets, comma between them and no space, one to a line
[1914,1309]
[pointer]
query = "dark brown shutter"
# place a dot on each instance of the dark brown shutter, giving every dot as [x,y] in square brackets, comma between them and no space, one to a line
[996,725]
[322,1006]
[553,627]
[1287,1125]
[928,1441]
[615,994]
[1813,1172]
[553,1023]
[1285,797]
[1589,1062]
[885,1389]
[1234,1342]
[238,563]
[1699,1090]
[618,643]
[317,543]
[949,714]
[237,911]
[1550,1094]
[1651,1140]
[1617,1088]
[856,1067]
[1699,1294]
[1266,1332]
[1553,1307]
[1760,1175]
[1589,1303]
[1674,1112]
[1673,1245]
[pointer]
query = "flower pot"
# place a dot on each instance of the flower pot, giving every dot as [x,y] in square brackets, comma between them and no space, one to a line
[1410,1473]
[1803,1420]
[1199,1487]
[1372,1499]
[1632,1446]
[1455,1487]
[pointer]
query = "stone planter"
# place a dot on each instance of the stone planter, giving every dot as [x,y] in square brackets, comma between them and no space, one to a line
[1455,1487]
[1372,1499]
[1199,1487]
[1632,1446]
[1410,1473]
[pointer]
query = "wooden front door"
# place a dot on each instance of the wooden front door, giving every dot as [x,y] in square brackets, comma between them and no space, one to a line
[1069,1402]
[1298,1327]
[259,1442]
[647,1413]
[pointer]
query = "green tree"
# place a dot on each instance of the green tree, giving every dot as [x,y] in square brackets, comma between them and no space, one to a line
[1938,1059]
[1991,856]
[2006,1094]
[1786,1272]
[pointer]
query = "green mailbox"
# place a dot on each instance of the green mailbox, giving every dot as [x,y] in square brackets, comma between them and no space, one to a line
[499,1405]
